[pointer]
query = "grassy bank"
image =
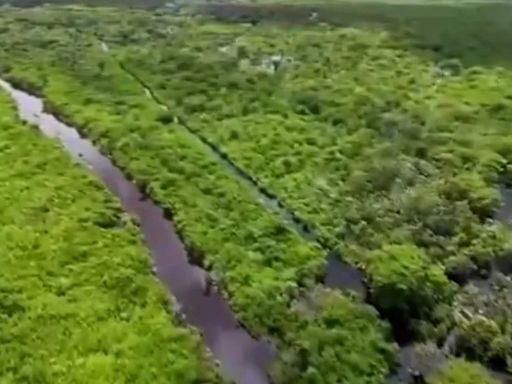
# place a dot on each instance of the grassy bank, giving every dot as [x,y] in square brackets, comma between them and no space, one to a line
[78,302]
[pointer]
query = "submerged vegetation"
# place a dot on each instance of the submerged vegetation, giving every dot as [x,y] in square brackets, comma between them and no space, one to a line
[389,142]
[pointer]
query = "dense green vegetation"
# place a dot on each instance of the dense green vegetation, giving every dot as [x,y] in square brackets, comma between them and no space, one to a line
[393,155]
[475,32]
[405,284]
[374,145]
[336,341]
[387,131]
[78,303]
[463,372]
[262,264]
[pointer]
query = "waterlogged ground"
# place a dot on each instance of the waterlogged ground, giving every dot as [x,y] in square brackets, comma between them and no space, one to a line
[392,150]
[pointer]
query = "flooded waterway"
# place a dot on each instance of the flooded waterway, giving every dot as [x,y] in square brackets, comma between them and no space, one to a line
[242,358]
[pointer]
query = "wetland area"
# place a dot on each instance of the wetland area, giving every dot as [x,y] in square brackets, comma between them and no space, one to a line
[264,193]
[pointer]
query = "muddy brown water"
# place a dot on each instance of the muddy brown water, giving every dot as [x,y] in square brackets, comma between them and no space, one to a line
[242,358]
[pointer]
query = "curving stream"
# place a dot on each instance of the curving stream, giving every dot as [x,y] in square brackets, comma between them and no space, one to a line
[243,359]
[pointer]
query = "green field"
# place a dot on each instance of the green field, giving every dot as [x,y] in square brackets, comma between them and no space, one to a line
[384,127]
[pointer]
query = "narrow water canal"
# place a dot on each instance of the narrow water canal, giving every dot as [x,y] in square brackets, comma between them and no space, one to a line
[242,358]
[338,274]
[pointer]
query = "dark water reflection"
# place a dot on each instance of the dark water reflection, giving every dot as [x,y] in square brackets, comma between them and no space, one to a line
[503,263]
[242,358]
[504,213]
[343,276]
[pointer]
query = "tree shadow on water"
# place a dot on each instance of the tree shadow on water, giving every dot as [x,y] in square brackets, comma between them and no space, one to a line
[474,33]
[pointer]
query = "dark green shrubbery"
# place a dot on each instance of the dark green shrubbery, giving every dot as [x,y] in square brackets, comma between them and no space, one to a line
[405,283]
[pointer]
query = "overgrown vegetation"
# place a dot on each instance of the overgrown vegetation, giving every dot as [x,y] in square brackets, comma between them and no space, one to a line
[387,131]
[372,144]
[78,303]
[472,31]
[463,372]
[393,155]
[262,264]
